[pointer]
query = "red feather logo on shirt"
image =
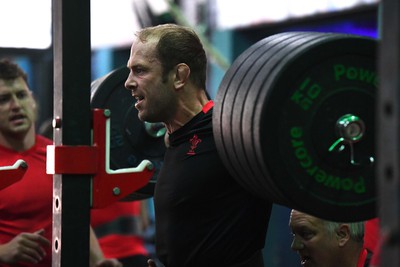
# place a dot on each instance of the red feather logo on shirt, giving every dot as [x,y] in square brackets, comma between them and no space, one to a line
[194,141]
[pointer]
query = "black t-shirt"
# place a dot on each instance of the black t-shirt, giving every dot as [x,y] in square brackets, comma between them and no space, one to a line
[203,216]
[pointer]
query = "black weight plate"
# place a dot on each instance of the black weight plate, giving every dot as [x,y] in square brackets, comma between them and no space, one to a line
[224,125]
[267,62]
[221,123]
[260,90]
[333,187]
[327,185]
[229,125]
[130,142]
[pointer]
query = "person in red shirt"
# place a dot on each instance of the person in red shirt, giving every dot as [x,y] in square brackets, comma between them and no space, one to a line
[322,243]
[26,206]
[372,240]
[119,228]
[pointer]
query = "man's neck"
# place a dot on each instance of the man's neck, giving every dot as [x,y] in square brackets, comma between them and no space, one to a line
[188,108]
[20,142]
[354,256]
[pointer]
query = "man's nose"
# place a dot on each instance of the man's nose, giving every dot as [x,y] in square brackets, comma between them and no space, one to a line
[297,244]
[130,83]
[15,101]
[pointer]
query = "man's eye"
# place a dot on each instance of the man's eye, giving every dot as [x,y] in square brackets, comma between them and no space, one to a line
[4,99]
[22,95]
[306,235]
[139,70]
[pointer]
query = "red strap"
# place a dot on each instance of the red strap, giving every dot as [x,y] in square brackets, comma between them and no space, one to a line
[208,106]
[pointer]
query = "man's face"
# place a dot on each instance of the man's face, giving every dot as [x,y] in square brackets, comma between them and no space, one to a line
[155,97]
[315,246]
[17,107]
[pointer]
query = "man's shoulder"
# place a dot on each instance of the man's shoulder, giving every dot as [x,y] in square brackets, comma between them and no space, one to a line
[41,144]
[43,140]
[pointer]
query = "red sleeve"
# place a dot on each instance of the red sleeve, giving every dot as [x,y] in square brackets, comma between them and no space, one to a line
[371,236]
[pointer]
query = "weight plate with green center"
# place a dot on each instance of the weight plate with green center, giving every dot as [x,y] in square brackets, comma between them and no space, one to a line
[300,120]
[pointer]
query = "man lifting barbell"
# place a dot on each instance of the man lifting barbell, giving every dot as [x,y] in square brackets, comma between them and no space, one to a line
[203,216]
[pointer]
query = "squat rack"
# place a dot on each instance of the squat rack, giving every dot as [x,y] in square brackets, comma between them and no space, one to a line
[72,125]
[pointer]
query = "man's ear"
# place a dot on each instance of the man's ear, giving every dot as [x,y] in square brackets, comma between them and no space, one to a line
[182,74]
[343,234]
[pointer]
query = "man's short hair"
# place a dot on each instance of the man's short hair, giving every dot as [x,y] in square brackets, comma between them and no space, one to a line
[356,229]
[10,71]
[178,44]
